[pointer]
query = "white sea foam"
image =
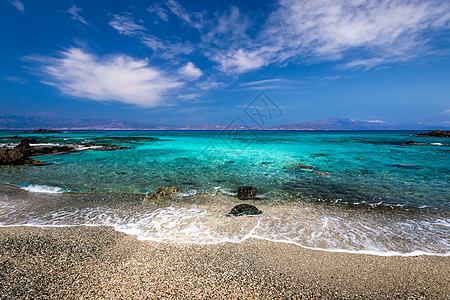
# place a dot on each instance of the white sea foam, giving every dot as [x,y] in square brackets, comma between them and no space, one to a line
[308,228]
[44,145]
[34,188]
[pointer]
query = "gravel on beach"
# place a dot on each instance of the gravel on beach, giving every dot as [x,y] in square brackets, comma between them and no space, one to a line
[98,262]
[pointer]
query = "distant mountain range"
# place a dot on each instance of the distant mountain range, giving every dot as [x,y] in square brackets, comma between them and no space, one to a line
[20,122]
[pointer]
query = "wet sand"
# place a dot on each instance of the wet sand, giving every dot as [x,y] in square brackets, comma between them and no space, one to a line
[98,262]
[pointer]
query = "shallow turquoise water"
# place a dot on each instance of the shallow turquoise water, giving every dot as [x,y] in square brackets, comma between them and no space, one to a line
[364,192]
[364,167]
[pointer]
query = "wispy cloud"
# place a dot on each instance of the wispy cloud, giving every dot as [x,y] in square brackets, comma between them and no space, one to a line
[125,25]
[190,71]
[74,11]
[195,19]
[117,78]
[363,33]
[19,5]
[261,82]
[446,112]
[159,11]
[16,79]
[209,84]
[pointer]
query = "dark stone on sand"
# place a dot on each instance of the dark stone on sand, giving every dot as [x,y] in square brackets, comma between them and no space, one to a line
[436,133]
[245,209]
[163,193]
[246,193]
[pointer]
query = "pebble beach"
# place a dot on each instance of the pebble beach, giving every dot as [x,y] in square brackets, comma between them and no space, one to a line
[98,262]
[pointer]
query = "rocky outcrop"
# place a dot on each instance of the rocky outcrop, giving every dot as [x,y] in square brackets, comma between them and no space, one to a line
[45,131]
[244,209]
[19,155]
[436,133]
[246,193]
[163,193]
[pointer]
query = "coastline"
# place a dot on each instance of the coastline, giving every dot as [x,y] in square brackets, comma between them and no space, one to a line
[100,262]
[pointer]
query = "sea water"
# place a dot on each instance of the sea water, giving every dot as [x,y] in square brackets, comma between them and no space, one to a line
[362,192]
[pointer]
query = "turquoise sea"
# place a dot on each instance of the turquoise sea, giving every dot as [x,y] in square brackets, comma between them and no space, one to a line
[353,191]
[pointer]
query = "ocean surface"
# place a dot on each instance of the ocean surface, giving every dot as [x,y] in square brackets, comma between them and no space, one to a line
[359,192]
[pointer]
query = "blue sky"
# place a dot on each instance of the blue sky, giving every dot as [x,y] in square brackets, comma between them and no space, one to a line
[192,62]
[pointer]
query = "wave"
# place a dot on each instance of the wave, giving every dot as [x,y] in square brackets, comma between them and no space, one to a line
[35,188]
[311,229]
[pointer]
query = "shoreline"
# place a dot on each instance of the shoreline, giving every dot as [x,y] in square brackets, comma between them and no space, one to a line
[101,262]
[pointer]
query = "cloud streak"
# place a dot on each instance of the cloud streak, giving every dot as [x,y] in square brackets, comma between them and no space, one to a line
[74,11]
[125,25]
[117,78]
[18,5]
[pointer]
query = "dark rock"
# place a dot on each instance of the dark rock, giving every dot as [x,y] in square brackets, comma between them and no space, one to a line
[163,193]
[46,150]
[45,131]
[24,147]
[436,133]
[246,192]
[245,209]
[18,155]
[411,142]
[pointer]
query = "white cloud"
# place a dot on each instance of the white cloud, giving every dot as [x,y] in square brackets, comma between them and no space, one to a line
[241,60]
[446,112]
[19,5]
[359,33]
[117,78]
[75,12]
[125,25]
[190,71]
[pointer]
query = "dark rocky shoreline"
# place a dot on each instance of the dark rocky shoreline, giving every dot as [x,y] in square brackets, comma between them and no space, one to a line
[20,154]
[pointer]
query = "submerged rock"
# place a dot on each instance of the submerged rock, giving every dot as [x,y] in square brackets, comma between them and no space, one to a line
[244,209]
[406,166]
[298,166]
[246,193]
[322,173]
[163,193]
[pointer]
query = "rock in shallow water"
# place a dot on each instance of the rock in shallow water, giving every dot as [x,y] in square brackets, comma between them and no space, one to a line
[244,209]
[18,155]
[246,193]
